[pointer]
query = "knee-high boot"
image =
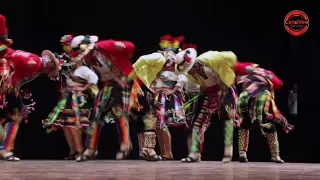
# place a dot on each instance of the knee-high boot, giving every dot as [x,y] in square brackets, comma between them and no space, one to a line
[243,144]
[272,139]
[149,136]
[141,143]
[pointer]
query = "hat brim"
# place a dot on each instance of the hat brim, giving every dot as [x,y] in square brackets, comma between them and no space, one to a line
[55,72]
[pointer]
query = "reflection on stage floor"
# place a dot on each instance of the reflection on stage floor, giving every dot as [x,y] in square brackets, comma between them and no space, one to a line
[142,170]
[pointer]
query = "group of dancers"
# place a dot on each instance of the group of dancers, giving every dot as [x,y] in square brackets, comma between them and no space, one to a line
[171,87]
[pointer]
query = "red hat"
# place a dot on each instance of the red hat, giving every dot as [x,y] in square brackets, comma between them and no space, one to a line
[242,68]
[3,27]
[186,46]
[4,67]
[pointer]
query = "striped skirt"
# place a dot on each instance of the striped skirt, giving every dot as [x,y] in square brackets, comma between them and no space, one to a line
[169,109]
[73,110]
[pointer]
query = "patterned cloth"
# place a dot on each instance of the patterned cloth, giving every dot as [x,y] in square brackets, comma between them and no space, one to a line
[168,107]
[228,113]
[193,108]
[108,99]
[169,110]
[210,105]
[10,119]
[257,102]
[73,110]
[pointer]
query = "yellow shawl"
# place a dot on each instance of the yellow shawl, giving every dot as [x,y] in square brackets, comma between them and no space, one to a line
[194,80]
[148,66]
[222,63]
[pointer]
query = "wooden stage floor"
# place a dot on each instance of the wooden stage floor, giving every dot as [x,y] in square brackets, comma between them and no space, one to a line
[141,170]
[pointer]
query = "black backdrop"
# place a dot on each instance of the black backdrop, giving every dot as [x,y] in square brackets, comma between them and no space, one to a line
[255,32]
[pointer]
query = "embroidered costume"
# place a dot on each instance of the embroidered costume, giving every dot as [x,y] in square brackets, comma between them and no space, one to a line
[167,87]
[193,94]
[24,67]
[213,70]
[256,103]
[110,60]
[73,111]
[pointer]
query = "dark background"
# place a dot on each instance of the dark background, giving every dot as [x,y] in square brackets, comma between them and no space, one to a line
[254,31]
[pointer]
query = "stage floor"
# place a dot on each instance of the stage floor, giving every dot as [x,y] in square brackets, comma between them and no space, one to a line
[141,170]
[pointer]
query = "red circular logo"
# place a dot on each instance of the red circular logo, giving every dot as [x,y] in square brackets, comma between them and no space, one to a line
[296,22]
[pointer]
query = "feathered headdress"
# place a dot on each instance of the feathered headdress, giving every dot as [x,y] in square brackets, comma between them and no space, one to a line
[168,42]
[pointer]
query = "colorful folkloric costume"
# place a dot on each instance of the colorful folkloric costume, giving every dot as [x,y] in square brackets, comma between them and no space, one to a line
[169,108]
[228,113]
[110,60]
[147,134]
[256,103]
[162,79]
[215,71]
[22,67]
[75,108]
[192,93]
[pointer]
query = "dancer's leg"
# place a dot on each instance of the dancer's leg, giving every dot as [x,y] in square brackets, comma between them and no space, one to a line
[93,138]
[160,141]
[77,139]
[141,143]
[166,137]
[198,131]
[273,142]
[69,139]
[100,103]
[228,140]
[123,127]
[210,105]
[243,143]
[7,145]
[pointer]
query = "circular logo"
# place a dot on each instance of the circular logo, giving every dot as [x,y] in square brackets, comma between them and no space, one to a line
[296,22]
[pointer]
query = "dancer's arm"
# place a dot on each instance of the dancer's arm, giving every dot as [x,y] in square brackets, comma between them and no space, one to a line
[182,80]
[89,75]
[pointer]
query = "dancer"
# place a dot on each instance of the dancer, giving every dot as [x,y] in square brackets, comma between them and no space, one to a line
[227,109]
[23,68]
[110,60]
[254,105]
[167,87]
[214,71]
[72,113]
